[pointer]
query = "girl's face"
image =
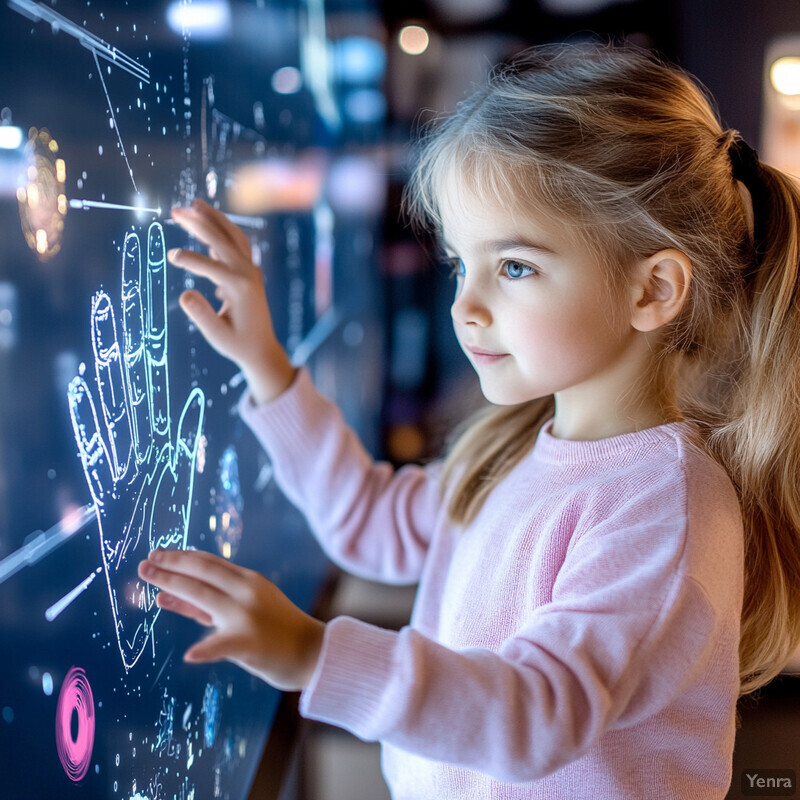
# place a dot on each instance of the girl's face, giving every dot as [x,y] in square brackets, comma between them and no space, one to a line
[531,314]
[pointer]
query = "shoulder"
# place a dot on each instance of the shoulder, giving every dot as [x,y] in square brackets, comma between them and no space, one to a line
[715,527]
[669,487]
[664,475]
[666,519]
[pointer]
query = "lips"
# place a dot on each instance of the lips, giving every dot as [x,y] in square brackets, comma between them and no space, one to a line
[484,356]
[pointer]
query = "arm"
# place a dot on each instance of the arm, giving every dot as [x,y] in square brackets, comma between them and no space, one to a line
[615,646]
[371,521]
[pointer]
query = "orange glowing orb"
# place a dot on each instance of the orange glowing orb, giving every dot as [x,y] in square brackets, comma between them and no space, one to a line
[41,195]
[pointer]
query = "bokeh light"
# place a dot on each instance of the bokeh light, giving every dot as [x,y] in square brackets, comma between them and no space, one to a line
[784,74]
[413,39]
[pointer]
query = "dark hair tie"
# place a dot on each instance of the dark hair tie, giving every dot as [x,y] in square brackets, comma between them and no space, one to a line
[744,161]
[746,167]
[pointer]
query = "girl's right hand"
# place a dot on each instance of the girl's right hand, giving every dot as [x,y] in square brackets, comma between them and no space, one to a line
[242,328]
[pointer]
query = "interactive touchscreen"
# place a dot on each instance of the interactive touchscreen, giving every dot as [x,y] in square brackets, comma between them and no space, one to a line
[118,424]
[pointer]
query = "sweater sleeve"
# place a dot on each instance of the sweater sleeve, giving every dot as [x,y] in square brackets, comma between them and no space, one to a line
[370,519]
[626,633]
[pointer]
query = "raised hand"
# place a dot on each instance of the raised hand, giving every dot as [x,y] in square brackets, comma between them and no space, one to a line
[139,475]
[242,327]
[256,625]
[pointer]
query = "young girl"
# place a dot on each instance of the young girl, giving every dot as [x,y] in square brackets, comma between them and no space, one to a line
[608,556]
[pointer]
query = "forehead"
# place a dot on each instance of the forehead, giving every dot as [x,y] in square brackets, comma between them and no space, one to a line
[480,205]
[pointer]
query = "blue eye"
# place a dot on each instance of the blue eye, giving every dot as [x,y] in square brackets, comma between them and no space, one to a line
[516,269]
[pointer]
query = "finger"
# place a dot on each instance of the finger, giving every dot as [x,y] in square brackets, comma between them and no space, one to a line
[243,586]
[237,235]
[170,602]
[189,588]
[213,219]
[156,335]
[208,321]
[111,382]
[91,447]
[201,565]
[133,347]
[214,229]
[218,272]
[190,427]
[215,647]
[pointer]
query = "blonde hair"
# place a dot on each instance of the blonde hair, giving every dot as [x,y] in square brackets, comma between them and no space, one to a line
[630,150]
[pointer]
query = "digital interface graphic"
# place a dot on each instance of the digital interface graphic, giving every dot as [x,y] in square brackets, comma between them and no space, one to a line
[75,711]
[139,478]
[118,423]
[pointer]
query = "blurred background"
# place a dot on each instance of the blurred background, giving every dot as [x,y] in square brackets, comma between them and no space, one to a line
[295,117]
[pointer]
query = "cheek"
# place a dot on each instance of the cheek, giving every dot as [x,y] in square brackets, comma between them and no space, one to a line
[572,339]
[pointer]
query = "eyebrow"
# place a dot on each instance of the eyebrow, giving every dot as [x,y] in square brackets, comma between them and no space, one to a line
[525,244]
[495,245]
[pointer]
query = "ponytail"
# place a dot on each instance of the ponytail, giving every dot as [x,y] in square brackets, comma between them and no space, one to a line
[759,442]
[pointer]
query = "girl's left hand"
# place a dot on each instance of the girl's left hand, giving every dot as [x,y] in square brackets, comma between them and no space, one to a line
[255,625]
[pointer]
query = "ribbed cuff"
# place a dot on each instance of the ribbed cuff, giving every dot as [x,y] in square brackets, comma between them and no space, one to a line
[351,682]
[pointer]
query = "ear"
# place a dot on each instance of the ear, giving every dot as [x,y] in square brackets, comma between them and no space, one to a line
[660,289]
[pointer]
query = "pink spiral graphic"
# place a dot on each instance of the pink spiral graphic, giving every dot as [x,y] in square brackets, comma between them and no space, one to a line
[75,696]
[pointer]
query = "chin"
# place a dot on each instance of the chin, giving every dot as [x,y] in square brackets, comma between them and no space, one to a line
[501,396]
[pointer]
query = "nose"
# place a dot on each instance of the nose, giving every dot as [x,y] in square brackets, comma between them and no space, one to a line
[469,306]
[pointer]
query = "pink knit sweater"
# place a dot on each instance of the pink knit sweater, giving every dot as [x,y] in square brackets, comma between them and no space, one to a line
[578,640]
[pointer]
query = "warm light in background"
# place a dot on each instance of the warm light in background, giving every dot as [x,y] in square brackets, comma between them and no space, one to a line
[785,75]
[41,197]
[275,184]
[779,142]
[413,39]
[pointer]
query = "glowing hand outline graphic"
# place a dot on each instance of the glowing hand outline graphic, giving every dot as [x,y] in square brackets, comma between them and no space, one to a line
[140,478]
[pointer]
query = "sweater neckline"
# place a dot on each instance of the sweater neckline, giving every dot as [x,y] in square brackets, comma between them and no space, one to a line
[568,451]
